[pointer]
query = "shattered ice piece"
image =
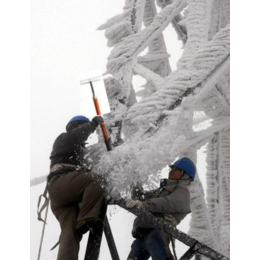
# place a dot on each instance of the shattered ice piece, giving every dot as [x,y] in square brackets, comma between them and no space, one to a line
[171,112]
[186,114]
[183,22]
[180,139]
[153,126]
[187,102]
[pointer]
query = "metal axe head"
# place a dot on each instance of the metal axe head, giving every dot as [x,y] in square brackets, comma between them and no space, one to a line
[91,76]
[86,106]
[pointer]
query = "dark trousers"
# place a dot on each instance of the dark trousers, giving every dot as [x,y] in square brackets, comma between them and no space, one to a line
[151,245]
[66,192]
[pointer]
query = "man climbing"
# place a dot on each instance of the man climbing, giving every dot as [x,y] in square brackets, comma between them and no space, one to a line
[171,201]
[70,182]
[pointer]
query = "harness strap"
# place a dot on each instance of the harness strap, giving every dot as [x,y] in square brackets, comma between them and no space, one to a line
[165,236]
[173,247]
[45,204]
[64,168]
[59,166]
[55,245]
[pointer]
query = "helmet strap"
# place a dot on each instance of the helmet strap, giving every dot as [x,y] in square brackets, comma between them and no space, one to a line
[183,173]
[181,178]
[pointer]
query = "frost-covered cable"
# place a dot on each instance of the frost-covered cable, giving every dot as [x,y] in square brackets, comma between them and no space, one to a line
[157,48]
[212,177]
[180,30]
[131,46]
[225,192]
[197,24]
[200,227]
[124,24]
[151,77]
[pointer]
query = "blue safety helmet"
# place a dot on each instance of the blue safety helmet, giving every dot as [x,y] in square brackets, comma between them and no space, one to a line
[186,165]
[75,121]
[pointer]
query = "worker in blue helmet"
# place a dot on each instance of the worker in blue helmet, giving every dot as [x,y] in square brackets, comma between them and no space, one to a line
[76,121]
[70,184]
[186,166]
[170,201]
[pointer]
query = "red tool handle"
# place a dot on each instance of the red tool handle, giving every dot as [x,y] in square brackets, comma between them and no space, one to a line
[102,125]
[96,106]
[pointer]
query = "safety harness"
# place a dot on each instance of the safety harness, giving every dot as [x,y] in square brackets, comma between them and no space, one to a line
[174,223]
[59,168]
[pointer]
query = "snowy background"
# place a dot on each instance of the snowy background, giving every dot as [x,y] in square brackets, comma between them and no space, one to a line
[16,99]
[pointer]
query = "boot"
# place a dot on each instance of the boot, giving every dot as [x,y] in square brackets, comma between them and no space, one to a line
[83,226]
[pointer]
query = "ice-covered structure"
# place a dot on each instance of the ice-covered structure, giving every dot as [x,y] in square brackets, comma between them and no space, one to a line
[167,121]
[153,124]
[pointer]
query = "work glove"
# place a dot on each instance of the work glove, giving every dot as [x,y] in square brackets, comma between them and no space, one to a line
[113,197]
[97,120]
[137,191]
[115,194]
[134,203]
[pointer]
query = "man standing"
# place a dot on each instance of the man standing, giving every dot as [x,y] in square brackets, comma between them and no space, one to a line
[171,201]
[70,182]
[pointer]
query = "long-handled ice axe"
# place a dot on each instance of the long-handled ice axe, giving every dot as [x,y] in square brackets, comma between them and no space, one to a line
[94,241]
[96,104]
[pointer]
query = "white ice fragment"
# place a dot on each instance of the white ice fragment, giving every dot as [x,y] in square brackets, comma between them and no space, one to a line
[152,125]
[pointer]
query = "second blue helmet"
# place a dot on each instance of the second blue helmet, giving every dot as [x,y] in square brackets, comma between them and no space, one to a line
[186,165]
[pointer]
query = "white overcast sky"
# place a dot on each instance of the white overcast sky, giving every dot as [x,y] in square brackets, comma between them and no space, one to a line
[64,44]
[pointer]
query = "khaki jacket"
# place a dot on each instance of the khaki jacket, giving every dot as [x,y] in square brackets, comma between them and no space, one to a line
[172,199]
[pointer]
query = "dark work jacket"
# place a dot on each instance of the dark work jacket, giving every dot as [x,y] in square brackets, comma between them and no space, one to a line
[69,147]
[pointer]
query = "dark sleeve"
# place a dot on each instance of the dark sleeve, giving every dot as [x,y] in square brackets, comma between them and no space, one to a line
[177,201]
[68,142]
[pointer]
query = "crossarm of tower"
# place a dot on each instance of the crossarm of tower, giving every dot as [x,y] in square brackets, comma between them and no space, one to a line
[180,83]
